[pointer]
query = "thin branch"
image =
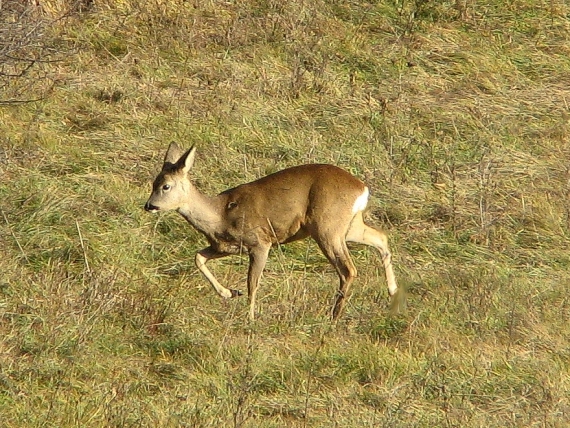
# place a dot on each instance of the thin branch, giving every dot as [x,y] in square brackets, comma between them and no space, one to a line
[22,72]
[16,102]
[87,268]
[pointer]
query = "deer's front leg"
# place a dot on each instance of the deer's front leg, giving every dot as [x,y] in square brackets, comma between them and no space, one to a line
[202,258]
[257,259]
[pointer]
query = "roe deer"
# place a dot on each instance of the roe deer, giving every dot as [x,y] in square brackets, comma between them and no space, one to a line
[317,200]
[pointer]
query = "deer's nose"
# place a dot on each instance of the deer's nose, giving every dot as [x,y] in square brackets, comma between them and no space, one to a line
[150,207]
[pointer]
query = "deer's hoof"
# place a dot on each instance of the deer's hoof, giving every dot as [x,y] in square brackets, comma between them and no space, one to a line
[236,293]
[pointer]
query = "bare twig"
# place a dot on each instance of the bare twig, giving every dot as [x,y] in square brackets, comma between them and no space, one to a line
[87,268]
[311,374]
[26,49]
[15,102]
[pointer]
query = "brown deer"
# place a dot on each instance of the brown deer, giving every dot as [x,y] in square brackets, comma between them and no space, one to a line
[321,201]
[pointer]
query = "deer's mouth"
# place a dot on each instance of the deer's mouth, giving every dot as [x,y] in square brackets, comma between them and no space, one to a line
[151,208]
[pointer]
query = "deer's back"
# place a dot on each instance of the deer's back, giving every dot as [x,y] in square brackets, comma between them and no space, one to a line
[284,202]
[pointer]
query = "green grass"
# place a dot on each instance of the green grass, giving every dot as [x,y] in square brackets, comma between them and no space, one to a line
[454,113]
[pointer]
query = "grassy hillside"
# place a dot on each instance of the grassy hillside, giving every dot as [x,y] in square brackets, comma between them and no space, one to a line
[456,115]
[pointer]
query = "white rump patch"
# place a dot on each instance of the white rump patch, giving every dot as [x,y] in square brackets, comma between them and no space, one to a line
[361,201]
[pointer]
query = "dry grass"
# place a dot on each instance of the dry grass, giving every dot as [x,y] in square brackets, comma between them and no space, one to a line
[455,114]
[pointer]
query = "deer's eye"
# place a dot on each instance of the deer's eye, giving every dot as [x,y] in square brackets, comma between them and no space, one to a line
[166,187]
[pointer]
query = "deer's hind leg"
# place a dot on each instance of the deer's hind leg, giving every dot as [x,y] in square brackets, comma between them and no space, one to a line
[361,233]
[338,255]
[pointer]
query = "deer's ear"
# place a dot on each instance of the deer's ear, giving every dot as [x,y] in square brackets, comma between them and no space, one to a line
[187,160]
[173,154]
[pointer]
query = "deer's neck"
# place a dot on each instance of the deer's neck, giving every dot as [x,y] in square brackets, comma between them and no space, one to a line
[202,212]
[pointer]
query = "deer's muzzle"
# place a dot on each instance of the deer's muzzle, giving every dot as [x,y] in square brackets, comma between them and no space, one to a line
[150,207]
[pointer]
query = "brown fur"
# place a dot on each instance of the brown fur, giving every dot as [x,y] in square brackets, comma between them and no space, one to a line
[313,200]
